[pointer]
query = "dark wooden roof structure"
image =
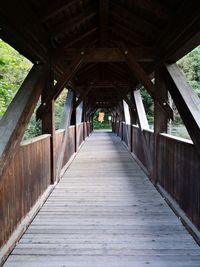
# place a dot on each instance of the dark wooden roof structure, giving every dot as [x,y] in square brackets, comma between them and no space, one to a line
[95,35]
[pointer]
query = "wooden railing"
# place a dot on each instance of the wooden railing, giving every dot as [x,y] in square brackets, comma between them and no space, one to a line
[179,174]
[177,167]
[28,175]
[25,180]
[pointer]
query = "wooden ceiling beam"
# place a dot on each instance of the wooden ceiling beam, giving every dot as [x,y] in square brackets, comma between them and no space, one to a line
[132,35]
[183,26]
[85,69]
[89,76]
[103,20]
[107,84]
[121,35]
[185,48]
[117,74]
[119,70]
[54,8]
[116,37]
[133,19]
[143,54]
[21,28]
[72,40]
[71,24]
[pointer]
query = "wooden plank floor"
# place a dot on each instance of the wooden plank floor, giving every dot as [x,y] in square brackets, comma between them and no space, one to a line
[105,212]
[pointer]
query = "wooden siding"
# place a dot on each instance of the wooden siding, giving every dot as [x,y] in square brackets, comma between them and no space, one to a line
[137,147]
[26,179]
[81,130]
[70,146]
[179,174]
[149,137]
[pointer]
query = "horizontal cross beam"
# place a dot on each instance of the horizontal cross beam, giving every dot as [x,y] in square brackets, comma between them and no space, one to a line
[105,54]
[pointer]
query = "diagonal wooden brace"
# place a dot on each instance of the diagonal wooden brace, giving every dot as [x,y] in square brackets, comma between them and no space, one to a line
[14,121]
[142,77]
[62,82]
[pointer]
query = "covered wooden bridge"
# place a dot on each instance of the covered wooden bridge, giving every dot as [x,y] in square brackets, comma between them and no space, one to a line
[86,198]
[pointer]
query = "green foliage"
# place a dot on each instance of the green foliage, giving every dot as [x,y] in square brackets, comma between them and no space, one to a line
[106,124]
[190,64]
[34,127]
[13,69]
[148,104]
[59,108]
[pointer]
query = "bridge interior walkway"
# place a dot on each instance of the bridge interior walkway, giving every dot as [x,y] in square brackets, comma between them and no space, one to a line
[105,212]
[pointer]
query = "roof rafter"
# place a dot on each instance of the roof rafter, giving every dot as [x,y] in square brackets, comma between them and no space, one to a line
[72,40]
[182,26]
[55,7]
[103,20]
[71,24]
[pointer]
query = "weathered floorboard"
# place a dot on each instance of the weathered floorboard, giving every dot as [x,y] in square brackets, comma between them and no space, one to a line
[105,212]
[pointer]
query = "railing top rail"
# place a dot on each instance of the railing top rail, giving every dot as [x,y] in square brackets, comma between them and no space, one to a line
[35,139]
[60,130]
[176,138]
[148,130]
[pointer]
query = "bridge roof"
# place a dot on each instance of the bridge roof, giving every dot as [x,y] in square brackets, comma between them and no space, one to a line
[57,32]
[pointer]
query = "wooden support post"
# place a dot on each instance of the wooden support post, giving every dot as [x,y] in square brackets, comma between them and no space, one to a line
[74,122]
[186,101]
[61,83]
[160,118]
[143,124]
[84,121]
[122,116]
[14,121]
[133,112]
[133,115]
[48,125]
[65,125]
[127,122]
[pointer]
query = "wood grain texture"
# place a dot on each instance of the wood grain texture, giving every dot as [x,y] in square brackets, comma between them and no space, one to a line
[179,172]
[27,177]
[105,211]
